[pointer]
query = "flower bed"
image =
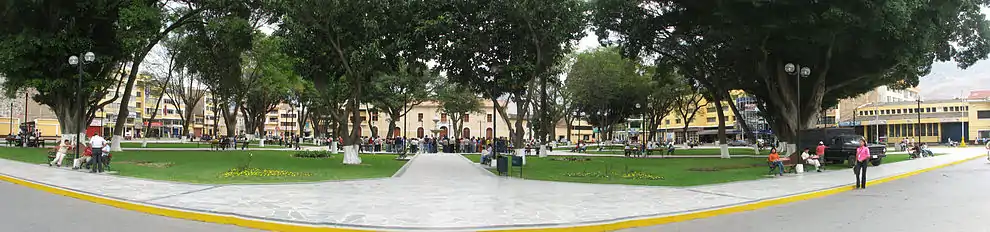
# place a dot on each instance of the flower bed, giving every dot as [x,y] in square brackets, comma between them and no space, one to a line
[636,175]
[258,172]
[313,154]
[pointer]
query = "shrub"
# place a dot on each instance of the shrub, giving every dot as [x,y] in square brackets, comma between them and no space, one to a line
[312,154]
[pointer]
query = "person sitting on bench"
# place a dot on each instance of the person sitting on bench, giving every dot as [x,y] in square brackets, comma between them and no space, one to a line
[486,156]
[812,160]
[775,161]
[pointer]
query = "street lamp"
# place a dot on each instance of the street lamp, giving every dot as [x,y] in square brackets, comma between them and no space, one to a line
[638,106]
[800,73]
[88,57]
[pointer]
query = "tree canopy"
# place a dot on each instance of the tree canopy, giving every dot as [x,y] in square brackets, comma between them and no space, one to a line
[851,47]
[606,87]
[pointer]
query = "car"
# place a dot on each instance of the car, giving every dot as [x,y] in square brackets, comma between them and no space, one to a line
[739,143]
[841,145]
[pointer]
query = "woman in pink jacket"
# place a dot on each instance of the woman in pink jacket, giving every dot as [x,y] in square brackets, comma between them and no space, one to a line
[862,160]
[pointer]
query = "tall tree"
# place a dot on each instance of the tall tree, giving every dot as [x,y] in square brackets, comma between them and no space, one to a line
[396,93]
[686,105]
[37,38]
[272,82]
[152,21]
[850,47]
[607,87]
[496,47]
[385,33]
[456,101]
[665,87]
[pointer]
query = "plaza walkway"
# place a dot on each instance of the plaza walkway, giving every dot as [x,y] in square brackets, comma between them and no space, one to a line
[447,192]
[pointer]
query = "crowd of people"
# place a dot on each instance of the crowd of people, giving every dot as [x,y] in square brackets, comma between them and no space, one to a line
[95,154]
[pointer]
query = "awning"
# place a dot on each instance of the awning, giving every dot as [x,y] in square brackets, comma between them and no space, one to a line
[715,132]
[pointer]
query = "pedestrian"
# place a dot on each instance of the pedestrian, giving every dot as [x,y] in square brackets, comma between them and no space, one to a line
[774,159]
[988,151]
[96,144]
[820,153]
[862,156]
[60,151]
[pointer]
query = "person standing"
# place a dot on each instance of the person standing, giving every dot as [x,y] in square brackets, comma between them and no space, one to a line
[988,151]
[96,144]
[862,156]
[820,153]
[60,151]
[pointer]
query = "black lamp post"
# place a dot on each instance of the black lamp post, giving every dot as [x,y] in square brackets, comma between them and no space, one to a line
[74,60]
[800,73]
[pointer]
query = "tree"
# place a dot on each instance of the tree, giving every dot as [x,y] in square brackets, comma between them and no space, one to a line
[150,21]
[353,52]
[214,52]
[850,48]
[665,87]
[272,82]
[686,105]
[607,87]
[497,47]
[456,101]
[37,37]
[398,92]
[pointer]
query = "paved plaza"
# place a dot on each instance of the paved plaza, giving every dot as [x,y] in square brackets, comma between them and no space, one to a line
[448,192]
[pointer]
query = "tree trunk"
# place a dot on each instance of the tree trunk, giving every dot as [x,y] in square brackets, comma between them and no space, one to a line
[723,146]
[351,144]
[122,112]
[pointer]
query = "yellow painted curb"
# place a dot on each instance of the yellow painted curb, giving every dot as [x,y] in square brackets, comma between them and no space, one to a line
[174,213]
[273,226]
[727,210]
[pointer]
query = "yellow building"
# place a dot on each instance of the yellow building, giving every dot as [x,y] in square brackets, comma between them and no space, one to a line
[979,117]
[891,122]
[419,122]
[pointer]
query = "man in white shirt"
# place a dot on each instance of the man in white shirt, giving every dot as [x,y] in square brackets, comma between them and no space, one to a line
[96,143]
[812,160]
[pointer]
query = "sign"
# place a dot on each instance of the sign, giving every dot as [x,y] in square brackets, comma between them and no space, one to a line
[594,130]
[153,124]
[948,120]
[853,123]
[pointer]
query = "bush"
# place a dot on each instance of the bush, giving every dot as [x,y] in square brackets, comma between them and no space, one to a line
[312,154]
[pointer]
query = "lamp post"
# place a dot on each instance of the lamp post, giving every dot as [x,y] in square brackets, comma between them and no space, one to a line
[638,106]
[962,115]
[800,73]
[74,60]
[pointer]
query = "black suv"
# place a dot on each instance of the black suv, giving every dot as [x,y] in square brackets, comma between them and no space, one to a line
[842,144]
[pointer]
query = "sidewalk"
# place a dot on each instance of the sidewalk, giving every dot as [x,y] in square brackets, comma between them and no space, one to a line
[447,192]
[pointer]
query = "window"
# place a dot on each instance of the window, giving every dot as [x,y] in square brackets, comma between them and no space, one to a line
[374,117]
[983,114]
[443,117]
[898,111]
[711,109]
[419,117]
[668,121]
[489,117]
[467,118]
[273,119]
[678,120]
[711,119]
[945,109]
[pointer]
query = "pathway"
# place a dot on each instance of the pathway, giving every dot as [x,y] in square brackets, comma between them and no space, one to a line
[446,192]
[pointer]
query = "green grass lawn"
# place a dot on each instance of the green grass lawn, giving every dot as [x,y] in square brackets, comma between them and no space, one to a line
[696,151]
[636,171]
[207,167]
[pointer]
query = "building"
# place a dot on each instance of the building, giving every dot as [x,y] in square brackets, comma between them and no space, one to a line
[426,119]
[979,115]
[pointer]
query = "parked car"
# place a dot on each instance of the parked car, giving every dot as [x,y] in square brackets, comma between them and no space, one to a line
[739,143]
[841,145]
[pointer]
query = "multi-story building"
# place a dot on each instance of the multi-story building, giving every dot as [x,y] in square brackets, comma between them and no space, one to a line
[426,119]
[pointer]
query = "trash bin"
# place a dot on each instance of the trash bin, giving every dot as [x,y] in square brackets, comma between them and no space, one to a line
[517,161]
[502,166]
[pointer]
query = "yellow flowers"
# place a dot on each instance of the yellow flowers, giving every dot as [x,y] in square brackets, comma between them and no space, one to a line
[636,175]
[258,172]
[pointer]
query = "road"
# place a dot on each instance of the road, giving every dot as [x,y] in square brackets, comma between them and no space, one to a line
[955,198]
[26,209]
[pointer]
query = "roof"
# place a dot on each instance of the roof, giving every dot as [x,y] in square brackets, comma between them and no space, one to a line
[979,94]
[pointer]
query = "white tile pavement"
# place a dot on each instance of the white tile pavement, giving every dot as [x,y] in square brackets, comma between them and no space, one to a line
[446,192]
